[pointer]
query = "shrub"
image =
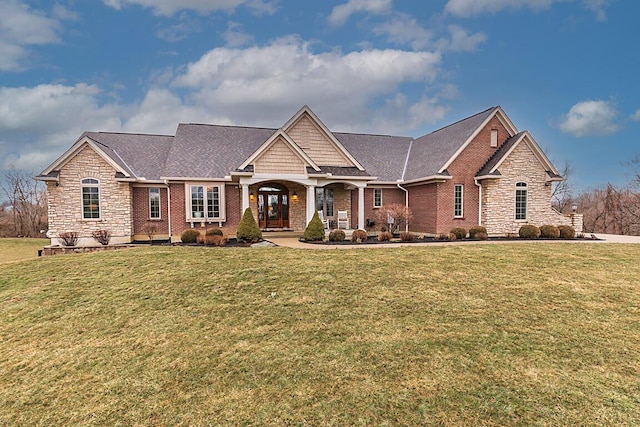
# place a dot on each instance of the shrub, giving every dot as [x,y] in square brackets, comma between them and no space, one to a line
[567,232]
[337,236]
[549,231]
[445,236]
[150,230]
[248,230]
[459,232]
[406,236]
[189,236]
[102,236]
[214,232]
[478,229]
[529,231]
[69,238]
[359,235]
[481,236]
[397,213]
[315,229]
[384,236]
[215,240]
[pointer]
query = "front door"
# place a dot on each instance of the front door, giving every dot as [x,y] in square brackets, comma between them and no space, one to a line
[273,207]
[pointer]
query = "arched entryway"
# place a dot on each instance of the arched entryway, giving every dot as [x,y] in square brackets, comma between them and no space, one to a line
[273,206]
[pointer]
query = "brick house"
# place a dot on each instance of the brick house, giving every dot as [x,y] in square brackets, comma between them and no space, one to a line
[477,171]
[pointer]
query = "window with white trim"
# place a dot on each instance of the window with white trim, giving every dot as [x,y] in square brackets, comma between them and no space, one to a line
[205,202]
[324,201]
[494,137]
[377,197]
[154,203]
[521,201]
[90,198]
[458,201]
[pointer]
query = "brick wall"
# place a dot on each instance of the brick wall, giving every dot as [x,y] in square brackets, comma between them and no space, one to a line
[141,218]
[423,201]
[65,201]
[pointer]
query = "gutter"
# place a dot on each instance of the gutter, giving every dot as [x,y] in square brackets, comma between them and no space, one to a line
[406,206]
[479,200]
[166,182]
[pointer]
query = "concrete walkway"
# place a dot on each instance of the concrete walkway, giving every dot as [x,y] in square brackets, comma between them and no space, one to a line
[290,241]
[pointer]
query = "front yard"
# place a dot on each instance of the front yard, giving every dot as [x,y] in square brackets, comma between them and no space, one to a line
[526,334]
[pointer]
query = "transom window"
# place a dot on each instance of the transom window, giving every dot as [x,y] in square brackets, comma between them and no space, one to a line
[90,198]
[154,203]
[324,201]
[521,201]
[458,200]
[377,197]
[206,202]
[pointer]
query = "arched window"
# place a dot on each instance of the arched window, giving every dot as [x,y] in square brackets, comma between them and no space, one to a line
[90,198]
[521,201]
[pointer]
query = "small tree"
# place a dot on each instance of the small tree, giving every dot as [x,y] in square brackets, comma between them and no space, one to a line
[102,236]
[150,229]
[315,229]
[396,216]
[248,230]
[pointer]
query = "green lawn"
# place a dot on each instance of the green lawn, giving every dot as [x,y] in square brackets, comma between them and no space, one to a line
[19,249]
[527,334]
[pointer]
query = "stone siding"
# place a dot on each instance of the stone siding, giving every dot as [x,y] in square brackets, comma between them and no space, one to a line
[498,195]
[65,200]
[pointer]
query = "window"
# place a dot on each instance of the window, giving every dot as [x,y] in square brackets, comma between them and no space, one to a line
[494,137]
[521,201]
[154,203]
[458,193]
[90,198]
[206,202]
[324,201]
[377,197]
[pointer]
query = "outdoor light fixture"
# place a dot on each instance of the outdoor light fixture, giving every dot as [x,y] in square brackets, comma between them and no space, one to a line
[574,207]
[294,196]
[252,196]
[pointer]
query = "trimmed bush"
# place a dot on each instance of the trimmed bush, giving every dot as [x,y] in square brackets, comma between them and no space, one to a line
[549,231]
[315,229]
[215,240]
[69,238]
[406,236]
[102,236]
[337,236]
[567,232]
[529,231]
[215,232]
[359,235]
[445,236]
[248,230]
[384,236]
[459,232]
[482,236]
[478,229]
[189,236]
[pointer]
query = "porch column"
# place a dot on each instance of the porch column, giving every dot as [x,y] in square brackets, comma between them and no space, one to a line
[311,202]
[245,197]
[361,207]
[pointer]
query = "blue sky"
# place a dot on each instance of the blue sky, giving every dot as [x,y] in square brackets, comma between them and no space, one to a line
[566,70]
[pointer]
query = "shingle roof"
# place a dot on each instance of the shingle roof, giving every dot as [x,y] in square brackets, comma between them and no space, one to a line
[499,154]
[140,155]
[431,152]
[382,156]
[212,151]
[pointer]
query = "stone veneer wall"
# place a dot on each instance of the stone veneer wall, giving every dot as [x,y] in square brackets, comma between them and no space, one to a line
[65,201]
[498,195]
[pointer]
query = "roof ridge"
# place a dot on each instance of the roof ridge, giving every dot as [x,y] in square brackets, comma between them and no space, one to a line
[371,134]
[462,120]
[227,126]
[128,133]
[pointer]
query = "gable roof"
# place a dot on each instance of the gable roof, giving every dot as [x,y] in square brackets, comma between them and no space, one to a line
[280,134]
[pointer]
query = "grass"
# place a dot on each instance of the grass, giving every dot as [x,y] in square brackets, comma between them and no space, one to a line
[19,249]
[527,334]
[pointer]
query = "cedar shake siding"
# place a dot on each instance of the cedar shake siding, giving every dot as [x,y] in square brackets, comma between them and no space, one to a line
[298,158]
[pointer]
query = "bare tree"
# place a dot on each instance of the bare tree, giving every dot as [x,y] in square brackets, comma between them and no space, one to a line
[27,202]
[562,194]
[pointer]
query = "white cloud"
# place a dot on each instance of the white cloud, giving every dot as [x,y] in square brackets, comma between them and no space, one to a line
[170,7]
[636,116]
[467,8]
[460,40]
[341,13]
[404,29]
[590,118]
[235,36]
[20,27]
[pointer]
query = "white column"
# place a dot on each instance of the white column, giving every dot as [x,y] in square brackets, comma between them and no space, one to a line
[361,223]
[245,197]
[311,202]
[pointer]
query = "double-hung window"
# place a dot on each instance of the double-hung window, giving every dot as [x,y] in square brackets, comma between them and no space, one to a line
[206,202]
[324,201]
[458,201]
[154,203]
[377,197]
[90,198]
[521,201]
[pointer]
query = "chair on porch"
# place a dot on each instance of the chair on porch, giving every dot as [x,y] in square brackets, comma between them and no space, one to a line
[324,221]
[343,219]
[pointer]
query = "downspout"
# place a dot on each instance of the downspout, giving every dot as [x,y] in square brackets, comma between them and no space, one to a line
[406,207]
[479,200]
[166,182]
